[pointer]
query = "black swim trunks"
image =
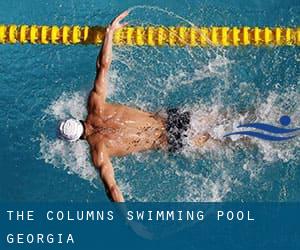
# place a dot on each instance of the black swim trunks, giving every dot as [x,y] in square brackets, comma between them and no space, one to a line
[177,125]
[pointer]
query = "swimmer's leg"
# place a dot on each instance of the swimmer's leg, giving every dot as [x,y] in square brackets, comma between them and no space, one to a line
[200,140]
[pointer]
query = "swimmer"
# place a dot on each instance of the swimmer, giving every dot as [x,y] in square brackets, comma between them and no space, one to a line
[114,130]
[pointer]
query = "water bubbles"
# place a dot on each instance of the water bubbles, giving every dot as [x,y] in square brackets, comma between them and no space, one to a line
[221,88]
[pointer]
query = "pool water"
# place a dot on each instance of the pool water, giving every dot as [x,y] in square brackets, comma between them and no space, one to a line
[43,84]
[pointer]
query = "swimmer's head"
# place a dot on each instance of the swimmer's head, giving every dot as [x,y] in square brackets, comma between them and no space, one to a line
[70,129]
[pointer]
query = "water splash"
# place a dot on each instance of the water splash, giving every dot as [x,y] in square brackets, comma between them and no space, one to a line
[215,85]
[192,185]
[74,158]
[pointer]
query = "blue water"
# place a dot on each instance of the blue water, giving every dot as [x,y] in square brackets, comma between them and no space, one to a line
[42,84]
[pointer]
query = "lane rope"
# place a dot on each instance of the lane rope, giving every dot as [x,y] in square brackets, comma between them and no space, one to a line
[152,35]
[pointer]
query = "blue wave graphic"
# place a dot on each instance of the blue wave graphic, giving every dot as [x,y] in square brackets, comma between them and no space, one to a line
[284,121]
[262,136]
[269,128]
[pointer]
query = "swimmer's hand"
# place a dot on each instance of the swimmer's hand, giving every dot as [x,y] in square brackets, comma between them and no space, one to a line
[105,57]
[115,24]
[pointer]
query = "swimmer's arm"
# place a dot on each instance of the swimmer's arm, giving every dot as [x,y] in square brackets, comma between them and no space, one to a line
[103,164]
[105,56]
[102,65]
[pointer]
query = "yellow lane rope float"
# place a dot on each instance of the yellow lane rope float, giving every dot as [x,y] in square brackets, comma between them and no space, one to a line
[152,36]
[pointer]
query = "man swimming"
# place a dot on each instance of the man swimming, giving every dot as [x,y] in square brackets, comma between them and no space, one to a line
[117,130]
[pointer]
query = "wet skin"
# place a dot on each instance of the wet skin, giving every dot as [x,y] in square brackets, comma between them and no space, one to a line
[123,130]
[118,130]
[112,129]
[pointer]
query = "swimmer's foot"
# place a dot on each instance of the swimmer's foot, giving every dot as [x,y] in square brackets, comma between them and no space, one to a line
[200,140]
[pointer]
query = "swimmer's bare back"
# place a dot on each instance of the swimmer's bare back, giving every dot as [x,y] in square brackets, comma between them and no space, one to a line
[123,130]
[113,129]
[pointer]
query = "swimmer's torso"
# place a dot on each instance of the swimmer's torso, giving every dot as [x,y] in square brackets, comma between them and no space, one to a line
[124,130]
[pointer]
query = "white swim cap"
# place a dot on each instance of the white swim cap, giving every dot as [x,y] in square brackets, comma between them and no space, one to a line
[70,130]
